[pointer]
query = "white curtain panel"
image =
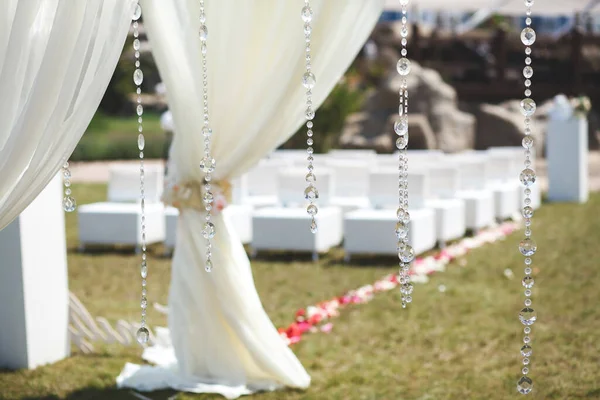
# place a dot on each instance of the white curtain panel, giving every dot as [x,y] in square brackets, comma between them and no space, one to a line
[221,337]
[514,7]
[56,60]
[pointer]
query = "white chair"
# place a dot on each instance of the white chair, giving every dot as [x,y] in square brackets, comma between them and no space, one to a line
[479,200]
[371,231]
[351,183]
[450,211]
[261,182]
[501,179]
[415,158]
[118,220]
[238,216]
[361,154]
[287,227]
[518,158]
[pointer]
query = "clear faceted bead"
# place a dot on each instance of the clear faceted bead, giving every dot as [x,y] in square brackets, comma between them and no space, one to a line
[527,316]
[403,215]
[67,174]
[401,126]
[309,80]
[203,33]
[526,361]
[402,142]
[527,177]
[529,3]
[528,36]
[144,302]
[312,209]
[139,109]
[69,204]
[403,66]
[525,370]
[142,335]
[307,14]
[144,271]
[528,72]
[527,247]
[137,12]
[311,193]
[309,114]
[406,253]
[527,302]
[527,212]
[208,164]
[208,266]
[525,385]
[526,351]
[528,282]
[406,288]
[313,226]
[528,107]
[138,77]
[208,230]
[401,230]
[136,44]
[141,142]
[307,29]
[208,198]
[527,142]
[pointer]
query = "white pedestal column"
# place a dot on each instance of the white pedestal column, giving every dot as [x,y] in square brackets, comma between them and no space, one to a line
[567,156]
[34,296]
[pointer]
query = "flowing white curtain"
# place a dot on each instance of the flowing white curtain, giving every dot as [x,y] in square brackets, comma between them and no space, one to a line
[56,60]
[222,339]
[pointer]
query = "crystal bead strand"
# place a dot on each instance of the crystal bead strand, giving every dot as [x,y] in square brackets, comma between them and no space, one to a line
[308,81]
[527,247]
[69,204]
[208,163]
[138,77]
[405,251]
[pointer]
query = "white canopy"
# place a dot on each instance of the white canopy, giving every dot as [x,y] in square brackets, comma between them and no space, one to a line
[511,7]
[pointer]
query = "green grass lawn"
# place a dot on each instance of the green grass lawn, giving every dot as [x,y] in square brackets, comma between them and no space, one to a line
[460,344]
[115,138]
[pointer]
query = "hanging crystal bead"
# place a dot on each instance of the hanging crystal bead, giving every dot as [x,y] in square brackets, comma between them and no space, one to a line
[528,36]
[406,253]
[143,334]
[527,246]
[69,204]
[308,82]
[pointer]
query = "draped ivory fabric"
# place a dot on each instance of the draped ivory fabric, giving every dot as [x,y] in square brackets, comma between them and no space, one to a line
[222,339]
[56,60]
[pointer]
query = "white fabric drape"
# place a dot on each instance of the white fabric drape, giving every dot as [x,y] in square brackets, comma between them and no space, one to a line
[56,60]
[221,337]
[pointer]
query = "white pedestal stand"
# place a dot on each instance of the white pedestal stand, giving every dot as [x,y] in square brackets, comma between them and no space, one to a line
[34,295]
[567,156]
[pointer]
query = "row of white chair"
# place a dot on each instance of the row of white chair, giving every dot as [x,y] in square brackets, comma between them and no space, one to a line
[358,200]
